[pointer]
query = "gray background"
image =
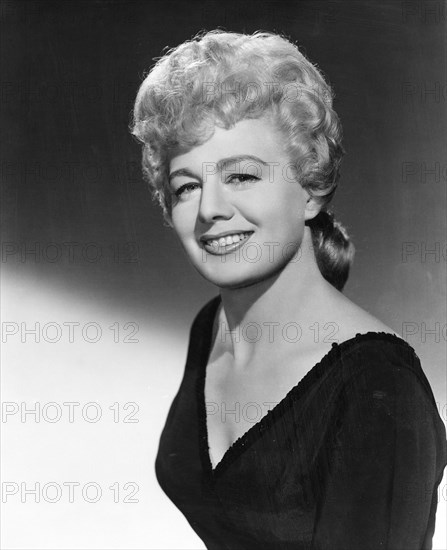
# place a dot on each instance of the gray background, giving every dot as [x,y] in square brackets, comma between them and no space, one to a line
[71,174]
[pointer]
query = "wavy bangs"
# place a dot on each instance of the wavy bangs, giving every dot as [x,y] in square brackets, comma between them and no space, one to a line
[219,78]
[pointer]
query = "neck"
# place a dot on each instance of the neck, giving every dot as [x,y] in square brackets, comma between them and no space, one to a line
[253,318]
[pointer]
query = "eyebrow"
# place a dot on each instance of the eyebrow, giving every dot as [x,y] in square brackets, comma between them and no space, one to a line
[222,163]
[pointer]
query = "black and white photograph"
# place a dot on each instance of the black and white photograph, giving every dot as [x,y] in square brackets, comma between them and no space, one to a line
[223,275]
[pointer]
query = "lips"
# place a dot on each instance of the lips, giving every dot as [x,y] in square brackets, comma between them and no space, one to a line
[226,244]
[217,236]
[226,238]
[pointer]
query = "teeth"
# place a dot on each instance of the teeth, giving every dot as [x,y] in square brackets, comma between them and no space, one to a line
[229,239]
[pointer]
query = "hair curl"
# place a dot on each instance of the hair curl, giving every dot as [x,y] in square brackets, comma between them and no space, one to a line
[219,78]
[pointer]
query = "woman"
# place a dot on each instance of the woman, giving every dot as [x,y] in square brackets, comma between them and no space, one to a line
[301,421]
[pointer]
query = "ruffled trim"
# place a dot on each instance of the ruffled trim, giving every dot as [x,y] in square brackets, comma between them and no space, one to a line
[257,430]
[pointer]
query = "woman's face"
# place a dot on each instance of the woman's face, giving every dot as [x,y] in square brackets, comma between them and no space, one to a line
[238,181]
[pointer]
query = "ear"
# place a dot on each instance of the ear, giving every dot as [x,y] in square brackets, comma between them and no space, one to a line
[312,208]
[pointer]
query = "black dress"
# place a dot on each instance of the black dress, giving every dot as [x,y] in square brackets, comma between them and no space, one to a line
[350,459]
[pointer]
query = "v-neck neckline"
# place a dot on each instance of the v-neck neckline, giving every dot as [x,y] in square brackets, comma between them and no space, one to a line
[261,426]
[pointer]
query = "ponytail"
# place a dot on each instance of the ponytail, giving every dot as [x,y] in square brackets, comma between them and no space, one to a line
[334,250]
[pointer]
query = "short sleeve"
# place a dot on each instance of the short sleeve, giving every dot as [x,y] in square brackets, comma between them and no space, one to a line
[385,464]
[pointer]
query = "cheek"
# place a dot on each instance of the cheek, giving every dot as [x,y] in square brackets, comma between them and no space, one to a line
[183,221]
[288,207]
[180,218]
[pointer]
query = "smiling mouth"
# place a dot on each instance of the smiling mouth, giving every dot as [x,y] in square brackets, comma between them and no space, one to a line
[223,246]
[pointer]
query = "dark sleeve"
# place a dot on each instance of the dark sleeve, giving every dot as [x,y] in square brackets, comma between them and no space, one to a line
[385,464]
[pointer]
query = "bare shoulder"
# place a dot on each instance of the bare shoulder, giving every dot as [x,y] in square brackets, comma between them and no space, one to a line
[352,319]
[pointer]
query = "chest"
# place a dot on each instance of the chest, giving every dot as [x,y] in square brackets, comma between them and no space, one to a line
[236,402]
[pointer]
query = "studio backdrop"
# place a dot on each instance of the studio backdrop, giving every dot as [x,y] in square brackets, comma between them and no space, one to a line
[97,294]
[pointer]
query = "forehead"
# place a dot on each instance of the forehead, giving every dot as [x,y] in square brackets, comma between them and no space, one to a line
[258,137]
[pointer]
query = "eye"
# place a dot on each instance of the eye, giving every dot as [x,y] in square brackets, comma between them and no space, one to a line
[183,188]
[244,177]
[187,188]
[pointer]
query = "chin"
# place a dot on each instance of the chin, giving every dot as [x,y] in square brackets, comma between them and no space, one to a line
[231,276]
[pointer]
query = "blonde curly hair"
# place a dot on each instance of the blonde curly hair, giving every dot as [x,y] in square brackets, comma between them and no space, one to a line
[219,78]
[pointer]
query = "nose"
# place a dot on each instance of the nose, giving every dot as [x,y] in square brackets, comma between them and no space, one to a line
[213,202]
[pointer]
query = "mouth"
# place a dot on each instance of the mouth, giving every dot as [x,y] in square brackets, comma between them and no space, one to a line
[227,244]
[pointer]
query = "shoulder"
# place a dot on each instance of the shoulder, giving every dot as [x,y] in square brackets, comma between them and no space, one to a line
[374,361]
[381,369]
[361,338]
[353,319]
[377,353]
[384,393]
